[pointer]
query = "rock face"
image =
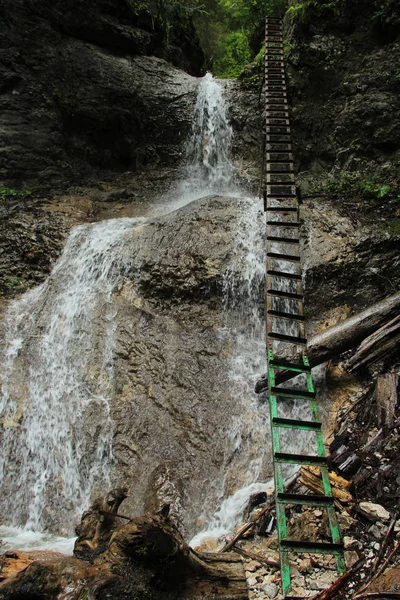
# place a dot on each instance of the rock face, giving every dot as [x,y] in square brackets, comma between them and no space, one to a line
[180,419]
[176,404]
[342,69]
[347,261]
[78,99]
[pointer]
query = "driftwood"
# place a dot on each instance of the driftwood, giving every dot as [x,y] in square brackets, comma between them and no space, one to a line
[342,337]
[311,478]
[377,346]
[386,399]
[97,524]
[146,559]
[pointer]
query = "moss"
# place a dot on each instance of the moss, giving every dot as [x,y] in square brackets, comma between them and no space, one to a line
[393,227]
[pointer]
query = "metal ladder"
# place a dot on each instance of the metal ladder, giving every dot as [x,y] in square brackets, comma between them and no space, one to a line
[285,305]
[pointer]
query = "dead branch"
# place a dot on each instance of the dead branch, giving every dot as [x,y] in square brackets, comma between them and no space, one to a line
[383,595]
[258,557]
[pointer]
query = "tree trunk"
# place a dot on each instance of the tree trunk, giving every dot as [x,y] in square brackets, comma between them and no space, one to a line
[342,337]
[376,347]
[145,559]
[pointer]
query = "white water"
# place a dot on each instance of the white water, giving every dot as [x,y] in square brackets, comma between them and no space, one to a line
[47,468]
[230,513]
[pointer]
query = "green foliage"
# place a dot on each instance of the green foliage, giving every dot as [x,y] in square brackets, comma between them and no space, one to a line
[383,9]
[228,28]
[6,192]
[303,12]
[235,54]
[370,189]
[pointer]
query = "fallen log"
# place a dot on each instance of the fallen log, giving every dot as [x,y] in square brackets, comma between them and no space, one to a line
[146,558]
[342,337]
[377,346]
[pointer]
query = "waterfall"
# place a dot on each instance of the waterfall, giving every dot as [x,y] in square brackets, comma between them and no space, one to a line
[57,364]
[56,446]
[209,169]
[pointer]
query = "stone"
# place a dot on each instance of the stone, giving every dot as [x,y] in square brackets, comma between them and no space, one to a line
[350,543]
[305,565]
[375,511]
[252,566]
[350,557]
[270,590]
[378,530]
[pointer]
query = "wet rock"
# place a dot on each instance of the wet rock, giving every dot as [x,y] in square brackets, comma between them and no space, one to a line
[342,259]
[78,100]
[341,74]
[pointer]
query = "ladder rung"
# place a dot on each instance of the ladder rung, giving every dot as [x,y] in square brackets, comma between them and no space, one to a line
[281,294]
[312,547]
[285,315]
[287,257]
[292,339]
[292,392]
[300,459]
[305,499]
[284,275]
[296,424]
[282,209]
[284,223]
[281,364]
[280,156]
[283,240]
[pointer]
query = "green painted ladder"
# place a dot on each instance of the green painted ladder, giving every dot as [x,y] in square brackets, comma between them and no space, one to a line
[285,306]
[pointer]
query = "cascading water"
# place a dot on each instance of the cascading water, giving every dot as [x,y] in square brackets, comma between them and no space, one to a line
[56,448]
[209,169]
